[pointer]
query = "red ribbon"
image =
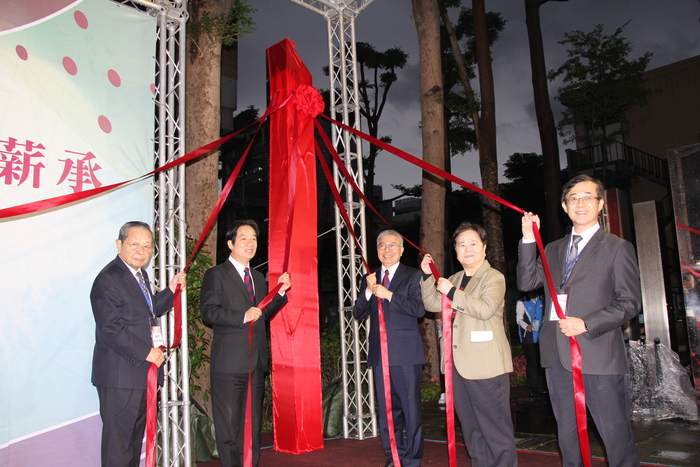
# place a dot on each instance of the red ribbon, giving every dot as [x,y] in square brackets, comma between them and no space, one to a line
[576,361]
[447,315]
[38,206]
[383,344]
[151,401]
[688,228]
[386,380]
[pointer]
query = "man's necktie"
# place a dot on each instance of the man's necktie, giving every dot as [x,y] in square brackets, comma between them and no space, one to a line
[571,258]
[144,289]
[385,280]
[249,284]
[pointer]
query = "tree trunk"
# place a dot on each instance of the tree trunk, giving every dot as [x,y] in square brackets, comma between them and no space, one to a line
[545,122]
[202,125]
[488,161]
[432,236]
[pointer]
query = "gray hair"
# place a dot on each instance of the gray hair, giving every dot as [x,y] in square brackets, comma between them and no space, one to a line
[124,231]
[390,232]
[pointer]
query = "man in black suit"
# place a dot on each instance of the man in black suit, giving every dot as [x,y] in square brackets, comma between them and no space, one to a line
[597,277]
[399,288]
[127,341]
[230,293]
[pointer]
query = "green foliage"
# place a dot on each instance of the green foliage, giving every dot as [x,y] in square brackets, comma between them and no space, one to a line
[380,65]
[430,390]
[221,28]
[198,344]
[518,377]
[415,190]
[462,135]
[601,84]
[266,424]
[245,117]
[330,354]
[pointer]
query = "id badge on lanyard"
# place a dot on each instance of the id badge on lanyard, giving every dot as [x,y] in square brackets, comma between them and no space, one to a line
[156,333]
[562,298]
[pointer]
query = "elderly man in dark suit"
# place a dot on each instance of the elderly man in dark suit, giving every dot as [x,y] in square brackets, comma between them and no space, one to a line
[399,288]
[230,293]
[127,341]
[597,277]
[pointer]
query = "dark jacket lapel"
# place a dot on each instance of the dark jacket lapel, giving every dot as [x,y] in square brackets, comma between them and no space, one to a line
[235,278]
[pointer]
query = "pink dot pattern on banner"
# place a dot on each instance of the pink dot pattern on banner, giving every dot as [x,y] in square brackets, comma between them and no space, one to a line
[114,78]
[21,52]
[105,124]
[70,66]
[153,89]
[80,19]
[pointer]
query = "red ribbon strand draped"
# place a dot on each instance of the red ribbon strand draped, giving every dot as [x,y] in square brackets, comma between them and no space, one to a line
[577,374]
[60,201]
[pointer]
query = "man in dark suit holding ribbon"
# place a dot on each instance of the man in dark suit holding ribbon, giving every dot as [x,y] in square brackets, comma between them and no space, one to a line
[230,293]
[597,280]
[127,340]
[402,303]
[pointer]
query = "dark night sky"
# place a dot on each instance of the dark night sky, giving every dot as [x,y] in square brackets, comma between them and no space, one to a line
[668,28]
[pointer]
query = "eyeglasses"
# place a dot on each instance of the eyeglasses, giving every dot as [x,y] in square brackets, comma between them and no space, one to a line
[585,199]
[136,246]
[384,246]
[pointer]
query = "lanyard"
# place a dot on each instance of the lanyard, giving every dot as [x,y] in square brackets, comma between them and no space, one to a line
[568,267]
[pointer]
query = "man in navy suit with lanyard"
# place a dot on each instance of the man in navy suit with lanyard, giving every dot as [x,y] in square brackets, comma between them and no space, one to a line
[399,288]
[127,341]
[598,288]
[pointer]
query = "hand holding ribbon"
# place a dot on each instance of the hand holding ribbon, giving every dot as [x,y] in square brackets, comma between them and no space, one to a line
[428,267]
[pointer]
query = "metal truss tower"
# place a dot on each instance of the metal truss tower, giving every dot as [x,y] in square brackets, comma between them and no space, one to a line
[359,414]
[169,219]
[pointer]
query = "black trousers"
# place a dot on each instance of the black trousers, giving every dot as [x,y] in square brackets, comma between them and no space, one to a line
[483,408]
[607,398]
[405,410]
[228,397]
[534,373]
[123,414]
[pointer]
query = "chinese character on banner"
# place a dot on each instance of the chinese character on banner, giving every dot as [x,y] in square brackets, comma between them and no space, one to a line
[17,164]
[82,172]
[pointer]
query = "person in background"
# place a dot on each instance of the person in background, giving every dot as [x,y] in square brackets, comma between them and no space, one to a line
[528,313]
[481,355]
[127,341]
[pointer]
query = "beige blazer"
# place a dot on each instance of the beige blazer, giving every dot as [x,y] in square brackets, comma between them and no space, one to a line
[480,348]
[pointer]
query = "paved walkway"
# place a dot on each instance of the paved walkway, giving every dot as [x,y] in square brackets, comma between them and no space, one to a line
[660,442]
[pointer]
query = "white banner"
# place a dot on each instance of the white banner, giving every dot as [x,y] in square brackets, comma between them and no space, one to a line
[76,113]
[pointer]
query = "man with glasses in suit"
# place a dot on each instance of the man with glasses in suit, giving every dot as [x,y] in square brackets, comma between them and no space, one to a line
[597,280]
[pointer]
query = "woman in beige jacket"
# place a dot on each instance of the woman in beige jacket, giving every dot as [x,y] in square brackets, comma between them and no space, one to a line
[481,353]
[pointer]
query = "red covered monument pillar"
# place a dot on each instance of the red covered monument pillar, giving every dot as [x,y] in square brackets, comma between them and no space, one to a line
[296,364]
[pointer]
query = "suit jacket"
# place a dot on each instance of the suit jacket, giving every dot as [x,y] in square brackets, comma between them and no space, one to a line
[479,315]
[123,326]
[400,315]
[604,291]
[223,302]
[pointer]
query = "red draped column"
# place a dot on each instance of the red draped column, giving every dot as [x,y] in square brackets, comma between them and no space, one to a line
[295,337]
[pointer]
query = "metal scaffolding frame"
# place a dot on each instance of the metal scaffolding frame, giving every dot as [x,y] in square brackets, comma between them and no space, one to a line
[169,218]
[359,414]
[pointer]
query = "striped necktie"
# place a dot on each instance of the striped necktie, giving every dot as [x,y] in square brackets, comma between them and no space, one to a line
[144,289]
[249,284]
